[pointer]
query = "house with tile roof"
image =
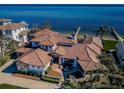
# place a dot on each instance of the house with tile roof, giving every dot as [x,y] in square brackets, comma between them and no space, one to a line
[35,61]
[50,48]
[16,31]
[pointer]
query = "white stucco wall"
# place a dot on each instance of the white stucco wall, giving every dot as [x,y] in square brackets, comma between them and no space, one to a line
[21,66]
[25,38]
[35,69]
[16,32]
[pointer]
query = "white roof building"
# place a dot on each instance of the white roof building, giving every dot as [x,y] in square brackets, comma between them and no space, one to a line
[16,31]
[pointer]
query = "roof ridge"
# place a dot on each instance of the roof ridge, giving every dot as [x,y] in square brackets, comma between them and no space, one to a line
[96,43]
[91,49]
[39,57]
[25,54]
[87,51]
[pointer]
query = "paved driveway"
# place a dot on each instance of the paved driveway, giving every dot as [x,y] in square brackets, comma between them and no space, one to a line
[23,82]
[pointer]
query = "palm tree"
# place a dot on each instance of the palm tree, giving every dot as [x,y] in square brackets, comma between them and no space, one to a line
[46,25]
[2,44]
[102,29]
[12,45]
[72,83]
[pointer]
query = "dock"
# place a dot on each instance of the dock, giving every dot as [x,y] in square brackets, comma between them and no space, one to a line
[116,35]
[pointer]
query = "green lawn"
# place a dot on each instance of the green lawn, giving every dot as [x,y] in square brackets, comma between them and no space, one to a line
[8,86]
[109,44]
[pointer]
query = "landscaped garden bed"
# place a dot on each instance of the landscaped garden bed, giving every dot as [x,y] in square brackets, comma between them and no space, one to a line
[50,79]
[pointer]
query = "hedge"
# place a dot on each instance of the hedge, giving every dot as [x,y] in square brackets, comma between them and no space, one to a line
[50,79]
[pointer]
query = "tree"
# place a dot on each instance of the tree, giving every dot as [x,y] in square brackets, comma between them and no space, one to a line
[12,45]
[72,83]
[2,44]
[46,25]
[101,30]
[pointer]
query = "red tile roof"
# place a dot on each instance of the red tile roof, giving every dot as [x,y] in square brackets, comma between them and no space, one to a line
[47,39]
[45,31]
[94,40]
[23,50]
[12,26]
[85,56]
[56,71]
[36,57]
[54,74]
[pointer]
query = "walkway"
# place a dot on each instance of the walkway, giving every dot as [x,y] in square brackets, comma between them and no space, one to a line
[23,82]
[6,65]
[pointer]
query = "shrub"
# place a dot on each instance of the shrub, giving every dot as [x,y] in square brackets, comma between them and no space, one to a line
[50,79]
[48,69]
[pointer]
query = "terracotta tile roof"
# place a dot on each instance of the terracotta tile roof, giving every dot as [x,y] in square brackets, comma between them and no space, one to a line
[54,74]
[64,40]
[95,40]
[89,65]
[59,50]
[3,20]
[56,71]
[49,41]
[24,32]
[41,38]
[12,26]
[45,31]
[72,52]
[98,42]
[36,57]
[85,56]
[56,67]
[23,50]
[94,48]
[52,39]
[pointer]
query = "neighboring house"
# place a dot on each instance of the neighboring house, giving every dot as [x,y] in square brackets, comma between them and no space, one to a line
[4,21]
[35,61]
[120,53]
[16,31]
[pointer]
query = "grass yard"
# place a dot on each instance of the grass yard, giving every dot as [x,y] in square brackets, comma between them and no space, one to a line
[8,86]
[109,44]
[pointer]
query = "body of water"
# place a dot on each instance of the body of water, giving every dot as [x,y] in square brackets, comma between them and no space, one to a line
[64,18]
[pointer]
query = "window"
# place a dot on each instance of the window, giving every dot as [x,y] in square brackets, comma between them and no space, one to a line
[120,56]
[16,37]
[38,67]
